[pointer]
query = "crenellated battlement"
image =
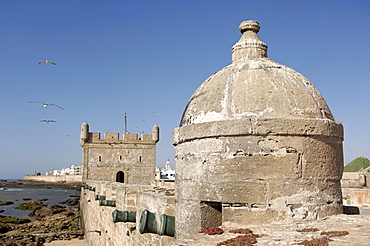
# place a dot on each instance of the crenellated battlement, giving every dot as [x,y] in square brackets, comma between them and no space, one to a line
[96,137]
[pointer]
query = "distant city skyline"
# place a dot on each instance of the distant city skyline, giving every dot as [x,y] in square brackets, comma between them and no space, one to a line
[146,59]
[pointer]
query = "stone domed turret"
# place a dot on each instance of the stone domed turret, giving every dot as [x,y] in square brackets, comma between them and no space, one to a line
[257,143]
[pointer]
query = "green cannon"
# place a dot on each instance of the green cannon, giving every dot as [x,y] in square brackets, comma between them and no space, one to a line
[123,216]
[87,187]
[160,224]
[100,197]
[109,203]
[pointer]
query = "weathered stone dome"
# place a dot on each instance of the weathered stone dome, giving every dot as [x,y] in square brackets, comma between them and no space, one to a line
[254,86]
[257,144]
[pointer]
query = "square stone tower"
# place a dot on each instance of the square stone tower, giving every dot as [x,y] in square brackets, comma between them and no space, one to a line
[129,159]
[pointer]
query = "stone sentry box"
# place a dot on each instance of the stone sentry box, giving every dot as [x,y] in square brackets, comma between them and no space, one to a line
[257,143]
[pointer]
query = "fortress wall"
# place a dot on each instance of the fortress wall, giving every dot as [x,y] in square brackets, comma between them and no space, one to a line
[356,188]
[55,178]
[97,221]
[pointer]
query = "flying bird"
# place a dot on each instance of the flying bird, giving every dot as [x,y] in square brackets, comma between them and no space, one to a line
[48,62]
[46,105]
[47,121]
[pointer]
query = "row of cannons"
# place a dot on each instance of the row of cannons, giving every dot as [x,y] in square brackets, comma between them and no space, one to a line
[160,224]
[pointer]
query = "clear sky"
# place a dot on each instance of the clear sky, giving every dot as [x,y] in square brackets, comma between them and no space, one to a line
[146,58]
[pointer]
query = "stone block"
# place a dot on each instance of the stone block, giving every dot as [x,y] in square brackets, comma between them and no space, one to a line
[242,216]
[234,192]
[360,197]
[260,166]
[323,158]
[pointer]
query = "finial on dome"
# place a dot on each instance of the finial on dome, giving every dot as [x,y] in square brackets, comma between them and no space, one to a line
[249,25]
[250,45]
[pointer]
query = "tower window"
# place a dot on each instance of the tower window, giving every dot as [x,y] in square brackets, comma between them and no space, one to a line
[120,157]
[120,177]
[140,159]
[99,158]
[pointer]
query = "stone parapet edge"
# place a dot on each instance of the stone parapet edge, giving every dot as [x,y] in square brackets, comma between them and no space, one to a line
[259,127]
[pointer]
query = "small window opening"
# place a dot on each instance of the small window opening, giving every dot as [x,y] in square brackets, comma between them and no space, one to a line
[139,158]
[99,158]
[120,157]
[210,214]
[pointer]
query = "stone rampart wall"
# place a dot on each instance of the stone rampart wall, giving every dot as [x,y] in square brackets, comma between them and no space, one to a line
[97,219]
[55,178]
[356,189]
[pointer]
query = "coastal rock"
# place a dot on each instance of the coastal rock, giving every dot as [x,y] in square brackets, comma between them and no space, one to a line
[30,205]
[42,212]
[30,240]
[71,202]
[6,203]
[4,227]
[54,222]
[9,219]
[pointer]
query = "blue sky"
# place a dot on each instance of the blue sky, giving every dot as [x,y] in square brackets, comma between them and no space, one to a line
[146,58]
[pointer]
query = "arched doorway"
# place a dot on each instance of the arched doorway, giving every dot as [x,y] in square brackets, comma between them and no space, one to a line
[120,177]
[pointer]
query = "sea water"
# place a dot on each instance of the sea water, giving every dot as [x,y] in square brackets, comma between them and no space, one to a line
[16,195]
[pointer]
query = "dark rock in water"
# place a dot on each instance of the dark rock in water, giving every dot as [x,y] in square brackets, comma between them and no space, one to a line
[71,202]
[9,219]
[27,199]
[53,223]
[6,203]
[42,212]
[43,199]
[1,211]
[30,205]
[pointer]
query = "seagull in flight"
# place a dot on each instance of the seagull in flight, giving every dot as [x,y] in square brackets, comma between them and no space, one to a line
[46,105]
[47,121]
[48,62]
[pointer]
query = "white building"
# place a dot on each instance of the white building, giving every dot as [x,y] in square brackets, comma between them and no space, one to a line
[165,177]
[166,172]
[73,170]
